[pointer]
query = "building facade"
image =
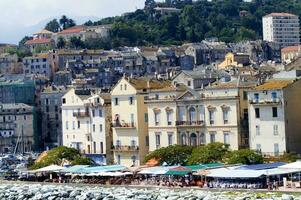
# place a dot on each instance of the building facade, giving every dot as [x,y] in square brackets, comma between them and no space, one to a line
[51,102]
[17,128]
[274,113]
[213,114]
[86,122]
[130,119]
[281,28]
[39,64]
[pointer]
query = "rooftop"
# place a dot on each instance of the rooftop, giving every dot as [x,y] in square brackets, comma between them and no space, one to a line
[14,106]
[74,29]
[43,31]
[274,85]
[290,49]
[38,41]
[232,84]
[280,15]
[147,83]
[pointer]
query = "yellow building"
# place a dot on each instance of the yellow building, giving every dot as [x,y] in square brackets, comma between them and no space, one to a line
[234,59]
[130,119]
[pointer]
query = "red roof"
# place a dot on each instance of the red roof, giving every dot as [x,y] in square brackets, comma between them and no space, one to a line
[38,41]
[290,49]
[74,29]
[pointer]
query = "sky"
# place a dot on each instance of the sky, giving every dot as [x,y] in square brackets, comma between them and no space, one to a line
[18,17]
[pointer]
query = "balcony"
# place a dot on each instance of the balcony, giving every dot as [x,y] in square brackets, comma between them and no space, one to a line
[123,125]
[275,101]
[7,125]
[125,148]
[190,123]
[81,114]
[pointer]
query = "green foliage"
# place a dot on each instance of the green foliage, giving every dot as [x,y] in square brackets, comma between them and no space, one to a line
[65,22]
[20,51]
[76,42]
[286,157]
[24,40]
[58,154]
[40,49]
[61,43]
[53,26]
[97,43]
[211,153]
[78,160]
[172,155]
[196,21]
[243,156]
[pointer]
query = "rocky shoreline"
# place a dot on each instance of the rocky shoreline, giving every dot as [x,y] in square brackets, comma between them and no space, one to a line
[24,191]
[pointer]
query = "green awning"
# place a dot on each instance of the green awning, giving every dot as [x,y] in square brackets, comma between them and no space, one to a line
[195,168]
[178,173]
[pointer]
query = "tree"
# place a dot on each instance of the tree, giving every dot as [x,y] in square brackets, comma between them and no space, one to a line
[53,26]
[172,155]
[24,40]
[65,22]
[76,42]
[98,43]
[61,43]
[211,153]
[243,156]
[89,23]
[57,155]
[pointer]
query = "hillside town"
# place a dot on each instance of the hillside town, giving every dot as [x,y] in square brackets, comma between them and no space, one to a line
[118,106]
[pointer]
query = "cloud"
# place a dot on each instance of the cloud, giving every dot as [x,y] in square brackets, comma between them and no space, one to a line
[21,13]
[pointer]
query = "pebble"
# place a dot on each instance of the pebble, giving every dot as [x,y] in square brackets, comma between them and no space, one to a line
[24,191]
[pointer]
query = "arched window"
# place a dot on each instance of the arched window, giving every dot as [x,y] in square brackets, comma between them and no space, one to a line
[183,139]
[202,139]
[192,114]
[193,139]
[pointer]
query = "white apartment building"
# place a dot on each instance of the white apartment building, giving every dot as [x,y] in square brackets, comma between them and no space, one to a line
[281,28]
[186,117]
[130,119]
[86,121]
[274,117]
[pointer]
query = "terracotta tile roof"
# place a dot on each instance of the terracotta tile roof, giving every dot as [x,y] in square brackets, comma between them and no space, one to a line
[233,84]
[74,29]
[280,15]
[147,83]
[38,41]
[43,31]
[274,85]
[290,49]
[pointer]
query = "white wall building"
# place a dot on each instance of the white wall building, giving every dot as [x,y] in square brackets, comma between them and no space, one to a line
[213,114]
[281,28]
[274,117]
[86,121]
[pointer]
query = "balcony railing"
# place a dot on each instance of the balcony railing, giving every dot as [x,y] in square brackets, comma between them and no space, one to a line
[265,101]
[190,123]
[81,114]
[7,125]
[125,148]
[124,125]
